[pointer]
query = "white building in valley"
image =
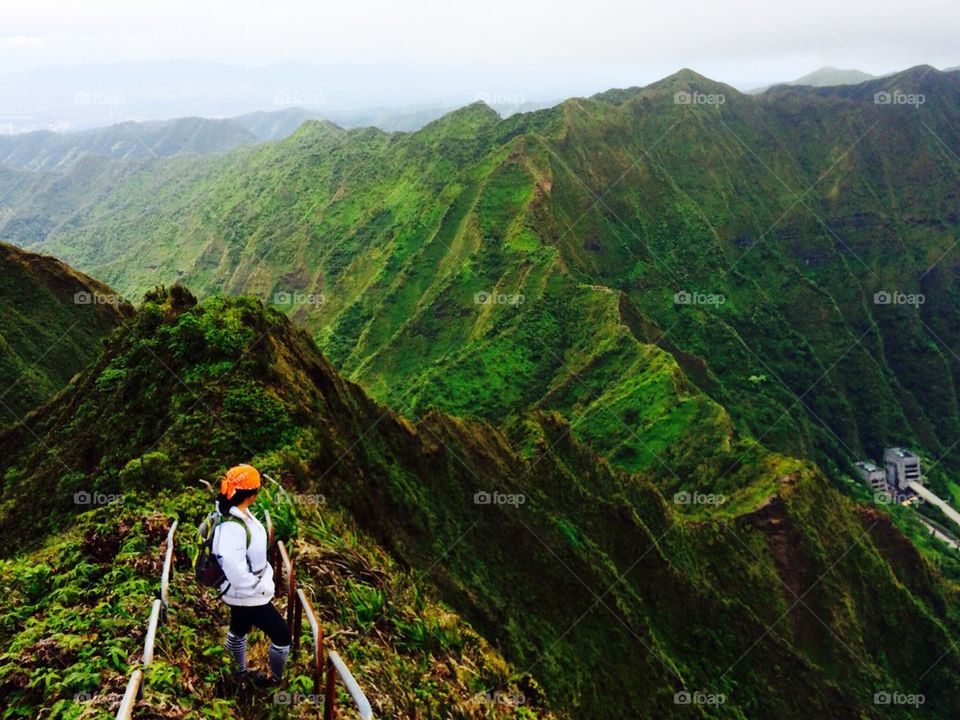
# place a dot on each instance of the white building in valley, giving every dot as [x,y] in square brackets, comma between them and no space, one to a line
[873,476]
[900,467]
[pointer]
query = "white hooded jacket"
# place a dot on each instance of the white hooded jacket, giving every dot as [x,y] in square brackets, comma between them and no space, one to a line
[249,574]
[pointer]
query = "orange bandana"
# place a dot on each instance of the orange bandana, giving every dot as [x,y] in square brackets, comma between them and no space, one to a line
[241,477]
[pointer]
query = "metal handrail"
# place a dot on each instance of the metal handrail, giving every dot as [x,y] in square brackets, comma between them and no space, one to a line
[297,603]
[270,479]
[291,584]
[130,696]
[151,638]
[158,613]
[317,634]
[150,641]
[167,569]
[335,667]
[353,687]
[269,522]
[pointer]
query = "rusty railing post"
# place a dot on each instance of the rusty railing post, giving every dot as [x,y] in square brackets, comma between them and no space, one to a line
[291,583]
[297,628]
[330,693]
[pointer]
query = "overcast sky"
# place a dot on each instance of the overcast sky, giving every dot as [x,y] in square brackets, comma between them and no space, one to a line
[534,48]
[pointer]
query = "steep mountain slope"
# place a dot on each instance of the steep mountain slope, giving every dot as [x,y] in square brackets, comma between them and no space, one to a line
[750,237]
[787,601]
[52,322]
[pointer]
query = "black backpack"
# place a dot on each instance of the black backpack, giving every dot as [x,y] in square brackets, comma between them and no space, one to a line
[206,567]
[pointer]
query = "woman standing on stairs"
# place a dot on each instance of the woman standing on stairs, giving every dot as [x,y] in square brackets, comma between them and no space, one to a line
[240,545]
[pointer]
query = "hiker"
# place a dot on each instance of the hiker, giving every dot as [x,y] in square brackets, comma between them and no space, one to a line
[240,545]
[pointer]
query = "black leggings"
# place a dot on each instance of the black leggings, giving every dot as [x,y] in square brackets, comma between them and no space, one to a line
[264,617]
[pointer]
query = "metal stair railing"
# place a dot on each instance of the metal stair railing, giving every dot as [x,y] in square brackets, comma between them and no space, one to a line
[158,613]
[299,604]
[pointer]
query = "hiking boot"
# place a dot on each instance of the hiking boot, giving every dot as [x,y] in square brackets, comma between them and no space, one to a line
[262,680]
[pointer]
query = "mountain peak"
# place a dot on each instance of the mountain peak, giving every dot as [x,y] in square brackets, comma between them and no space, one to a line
[917,76]
[478,109]
[686,80]
[686,75]
[919,80]
[683,80]
[467,119]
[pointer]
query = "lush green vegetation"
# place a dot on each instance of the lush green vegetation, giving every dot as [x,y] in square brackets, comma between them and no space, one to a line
[796,207]
[508,290]
[52,323]
[596,595]
[76,619]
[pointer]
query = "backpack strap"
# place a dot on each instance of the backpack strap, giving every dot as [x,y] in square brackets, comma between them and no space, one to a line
[231,518]
[246,530]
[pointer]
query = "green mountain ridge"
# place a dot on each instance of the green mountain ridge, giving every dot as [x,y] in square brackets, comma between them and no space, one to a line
[52,322]
[795,207]
[594,596]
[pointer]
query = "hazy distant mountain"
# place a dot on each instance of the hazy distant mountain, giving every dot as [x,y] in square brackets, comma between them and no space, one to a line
[826,76]
[394,98]
[274,125]
[45,150]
